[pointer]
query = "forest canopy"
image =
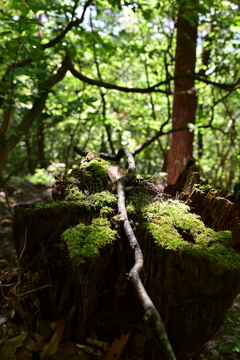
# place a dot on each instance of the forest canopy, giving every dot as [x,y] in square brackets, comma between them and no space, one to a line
[103,74]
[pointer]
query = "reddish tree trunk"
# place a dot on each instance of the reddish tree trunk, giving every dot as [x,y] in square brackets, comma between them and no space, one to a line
[185,100]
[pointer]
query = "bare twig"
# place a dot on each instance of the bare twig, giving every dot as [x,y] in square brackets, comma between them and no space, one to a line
[154,88]
[134,274]
[159,133]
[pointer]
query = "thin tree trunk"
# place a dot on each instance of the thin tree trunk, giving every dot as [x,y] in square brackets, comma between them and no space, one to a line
[30,156]
[41,152]
[184,100]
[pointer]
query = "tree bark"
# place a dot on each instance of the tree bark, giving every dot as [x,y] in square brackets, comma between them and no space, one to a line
[184,99]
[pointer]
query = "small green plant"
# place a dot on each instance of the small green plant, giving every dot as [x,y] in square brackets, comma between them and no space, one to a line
[41,176]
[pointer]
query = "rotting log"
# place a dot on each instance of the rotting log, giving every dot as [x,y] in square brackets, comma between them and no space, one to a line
[191,273]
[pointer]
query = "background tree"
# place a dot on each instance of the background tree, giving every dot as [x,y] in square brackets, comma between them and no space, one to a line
[184,99]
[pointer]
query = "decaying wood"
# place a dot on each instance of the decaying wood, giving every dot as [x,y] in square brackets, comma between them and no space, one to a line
[218,213]
[53,345]
[134,274]
[117,347]
[214,207]
[192,294]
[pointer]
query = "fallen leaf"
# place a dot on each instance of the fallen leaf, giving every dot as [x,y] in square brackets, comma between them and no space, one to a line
[117,347]
[115,172]
[35,342]
[9,349]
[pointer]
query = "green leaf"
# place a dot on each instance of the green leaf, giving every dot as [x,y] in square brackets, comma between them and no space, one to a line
[3,33]
[41,75]
[30,40]
[147,14]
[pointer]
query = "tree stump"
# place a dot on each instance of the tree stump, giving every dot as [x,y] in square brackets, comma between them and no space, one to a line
[74,257]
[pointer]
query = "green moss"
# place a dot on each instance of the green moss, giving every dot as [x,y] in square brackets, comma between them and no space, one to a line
[174,227]
[85,241]
[170,222]
[104,202]
[206,188]
[74,194]
[135,204]
[55,205]
[130,209]
[94,171]
[106,211]
[102,199]
[165,235]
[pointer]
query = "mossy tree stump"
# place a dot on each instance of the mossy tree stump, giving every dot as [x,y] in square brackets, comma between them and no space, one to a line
[74,257]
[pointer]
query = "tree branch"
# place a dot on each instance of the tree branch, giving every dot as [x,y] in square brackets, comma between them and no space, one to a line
[159,133]
[72,24]
[154,88]
[134,274]
[203,79]
[106,85]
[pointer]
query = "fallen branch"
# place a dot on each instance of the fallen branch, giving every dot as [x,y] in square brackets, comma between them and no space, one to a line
[117,347]
[134,274]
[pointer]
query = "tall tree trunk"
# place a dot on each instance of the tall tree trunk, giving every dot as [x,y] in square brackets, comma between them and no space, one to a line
[185,100]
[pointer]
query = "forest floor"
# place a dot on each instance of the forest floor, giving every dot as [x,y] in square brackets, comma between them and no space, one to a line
[224,346]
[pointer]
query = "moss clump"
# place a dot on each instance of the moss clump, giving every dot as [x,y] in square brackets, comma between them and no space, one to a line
[174,227]
[135,204]
[206,188]
[85,241]
[96,169]
[74,194]
[106,211]
[55,204]
[90,172]
[104,202]
[102,199]
[165,219]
